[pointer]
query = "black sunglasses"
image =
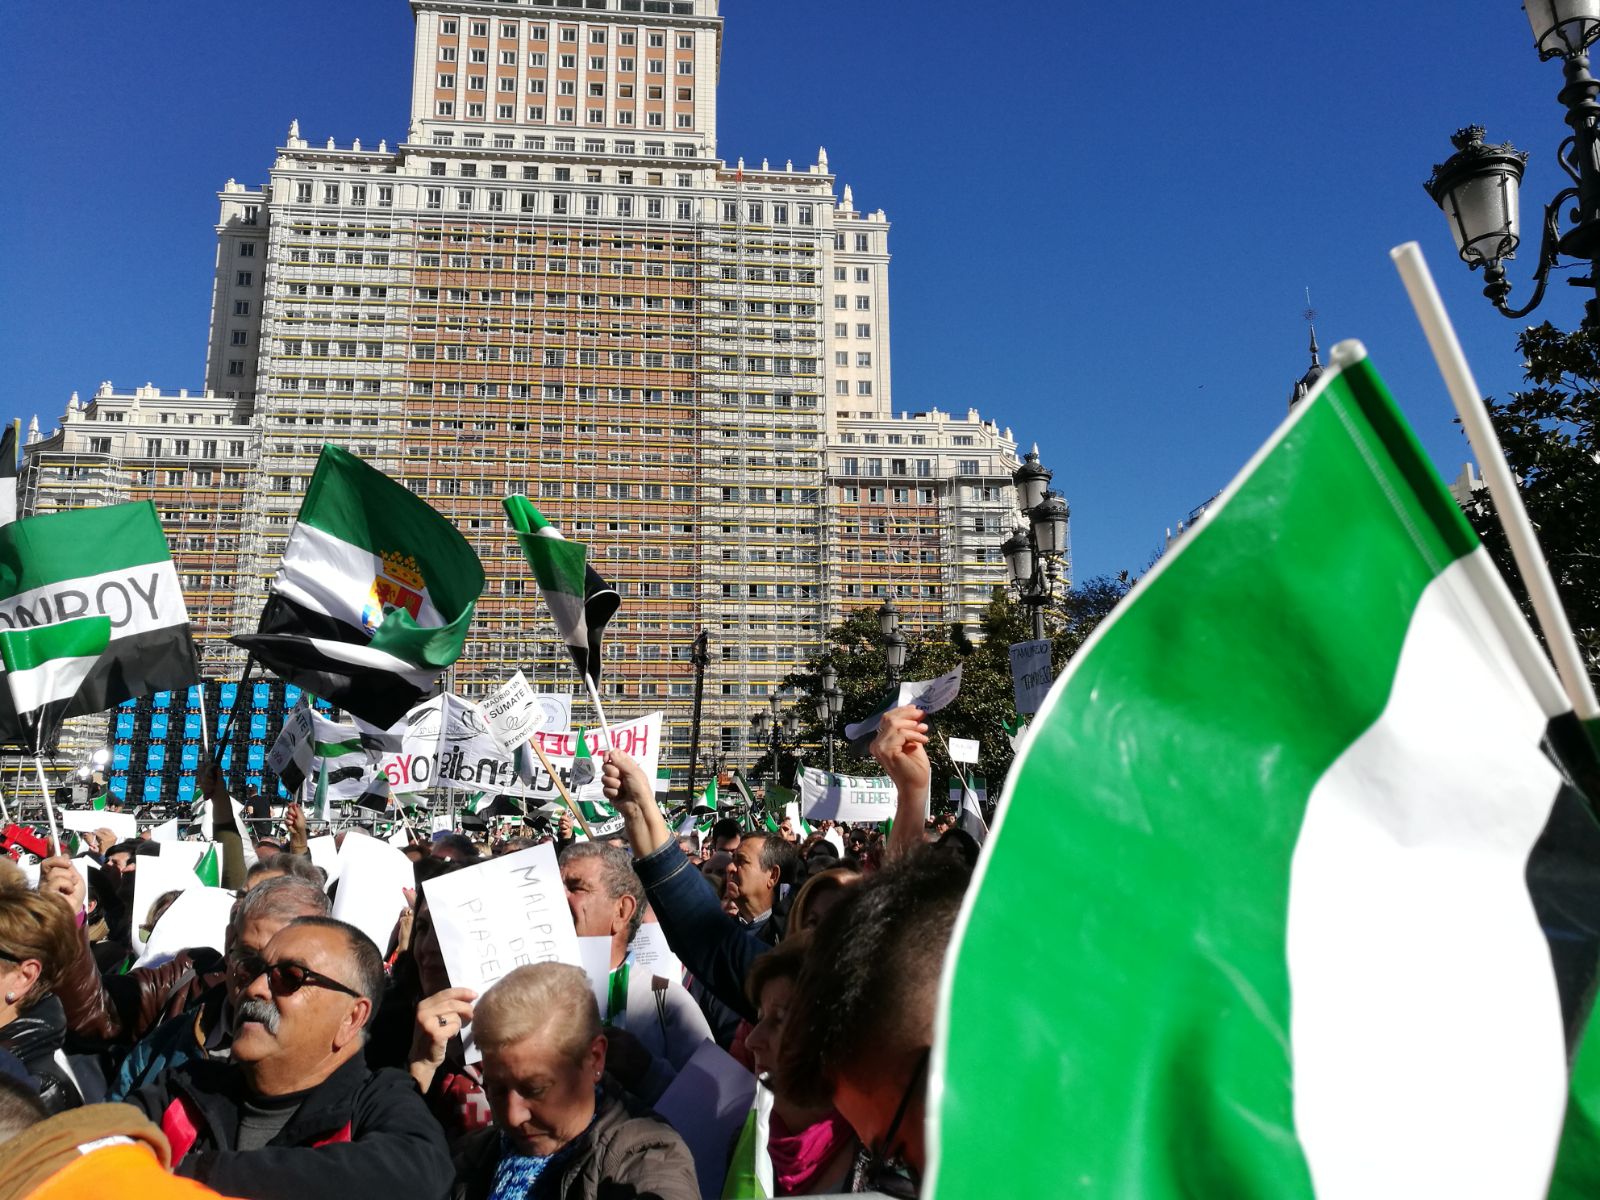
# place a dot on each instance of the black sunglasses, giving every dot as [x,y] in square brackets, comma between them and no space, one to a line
[287,977]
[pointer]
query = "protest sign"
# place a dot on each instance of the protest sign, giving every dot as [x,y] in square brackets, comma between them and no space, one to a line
[1031,675]
[963,750]
[199,917]
[828,797]
[167,831]
[651,953]
[87,820]
[372,876]
[516,712]
[930,695]
[499,915]
[707,1102]
[596,955]
[325,854]
[157,875]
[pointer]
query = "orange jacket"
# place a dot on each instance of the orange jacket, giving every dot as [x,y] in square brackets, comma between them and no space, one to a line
[91,1153]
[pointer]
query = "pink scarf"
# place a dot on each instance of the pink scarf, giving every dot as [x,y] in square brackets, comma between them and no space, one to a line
[798,1158]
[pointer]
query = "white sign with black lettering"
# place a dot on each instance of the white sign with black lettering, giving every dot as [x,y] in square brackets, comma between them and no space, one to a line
[499,915]
[1031,674]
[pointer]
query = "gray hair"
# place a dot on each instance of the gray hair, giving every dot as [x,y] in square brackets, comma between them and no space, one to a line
[616,875]
[283,898]
[298,865]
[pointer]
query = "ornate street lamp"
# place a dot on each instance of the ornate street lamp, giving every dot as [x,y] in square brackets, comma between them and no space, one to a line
[1477,186]
[888,617]
[894,653]
[1032,551]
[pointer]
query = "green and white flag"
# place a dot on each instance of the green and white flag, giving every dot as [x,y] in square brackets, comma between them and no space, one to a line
[335,753]
[1297,782]
[374,596]
[111,562]
[603,819]
[209,868]
[707,802]
[580,601]
[46,666]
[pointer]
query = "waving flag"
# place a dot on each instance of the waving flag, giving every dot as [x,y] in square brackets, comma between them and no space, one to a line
[111,562]
[46,667]
[374,596]
[580,602]
[1299,782]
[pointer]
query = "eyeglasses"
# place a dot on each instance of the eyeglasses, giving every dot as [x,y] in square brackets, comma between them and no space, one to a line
[876,1168]
[287,977]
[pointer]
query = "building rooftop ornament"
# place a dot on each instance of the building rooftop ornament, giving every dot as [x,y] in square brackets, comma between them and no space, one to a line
[1303,385]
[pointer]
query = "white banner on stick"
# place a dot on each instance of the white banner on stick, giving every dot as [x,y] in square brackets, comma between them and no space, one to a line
[1031,675]
[499,915]
[828,797]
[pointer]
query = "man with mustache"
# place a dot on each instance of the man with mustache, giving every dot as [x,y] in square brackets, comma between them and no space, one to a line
[206,1030]
[296,1112]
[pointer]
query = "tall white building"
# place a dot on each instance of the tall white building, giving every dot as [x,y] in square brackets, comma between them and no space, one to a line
[554,284]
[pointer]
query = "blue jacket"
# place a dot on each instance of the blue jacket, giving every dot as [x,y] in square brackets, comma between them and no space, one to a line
[198,1032]
[717,949]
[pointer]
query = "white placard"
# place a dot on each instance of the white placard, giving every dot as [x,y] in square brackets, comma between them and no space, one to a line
[516,712]
[199,917]
[707,1102]
[596,955]
[792,811]
[963,750]
[1031,674]
[400,836]
[499,915]
[827,797]
[372,875]
[930,695]
[87,820]
[153,877]
[325,854]
[441,823]
[167,831]
[651,952]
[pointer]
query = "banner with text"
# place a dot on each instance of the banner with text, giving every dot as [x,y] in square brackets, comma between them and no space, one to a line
[828,797]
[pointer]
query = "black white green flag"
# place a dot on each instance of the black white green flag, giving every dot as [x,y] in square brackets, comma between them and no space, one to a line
[310,745]
[580,602]
[374,596]
[111,562]
[46,667]
[1296,782]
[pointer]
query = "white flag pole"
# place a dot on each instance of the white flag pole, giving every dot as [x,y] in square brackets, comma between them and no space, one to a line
[205,738]
[49,805]
[1508,504]
[594,697]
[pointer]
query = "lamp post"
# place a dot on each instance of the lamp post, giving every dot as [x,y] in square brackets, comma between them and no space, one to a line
[829,707]
[1477,186]
[1032,551]
[767,723]
[700,656]
[894,642]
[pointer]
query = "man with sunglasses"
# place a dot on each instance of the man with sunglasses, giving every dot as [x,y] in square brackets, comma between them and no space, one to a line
[296,1112]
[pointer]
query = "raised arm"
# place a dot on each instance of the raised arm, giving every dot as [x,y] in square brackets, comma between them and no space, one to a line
[901,748]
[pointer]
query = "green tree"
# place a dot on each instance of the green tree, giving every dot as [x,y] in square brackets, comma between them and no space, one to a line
[1551,436]
[985,702]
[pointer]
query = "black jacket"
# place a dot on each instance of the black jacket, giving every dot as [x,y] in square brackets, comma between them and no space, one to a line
[359,1133]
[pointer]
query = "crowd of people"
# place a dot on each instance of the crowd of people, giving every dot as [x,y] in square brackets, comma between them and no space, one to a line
[304,1060]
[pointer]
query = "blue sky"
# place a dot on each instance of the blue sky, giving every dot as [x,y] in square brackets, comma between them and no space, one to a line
[1102,228]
